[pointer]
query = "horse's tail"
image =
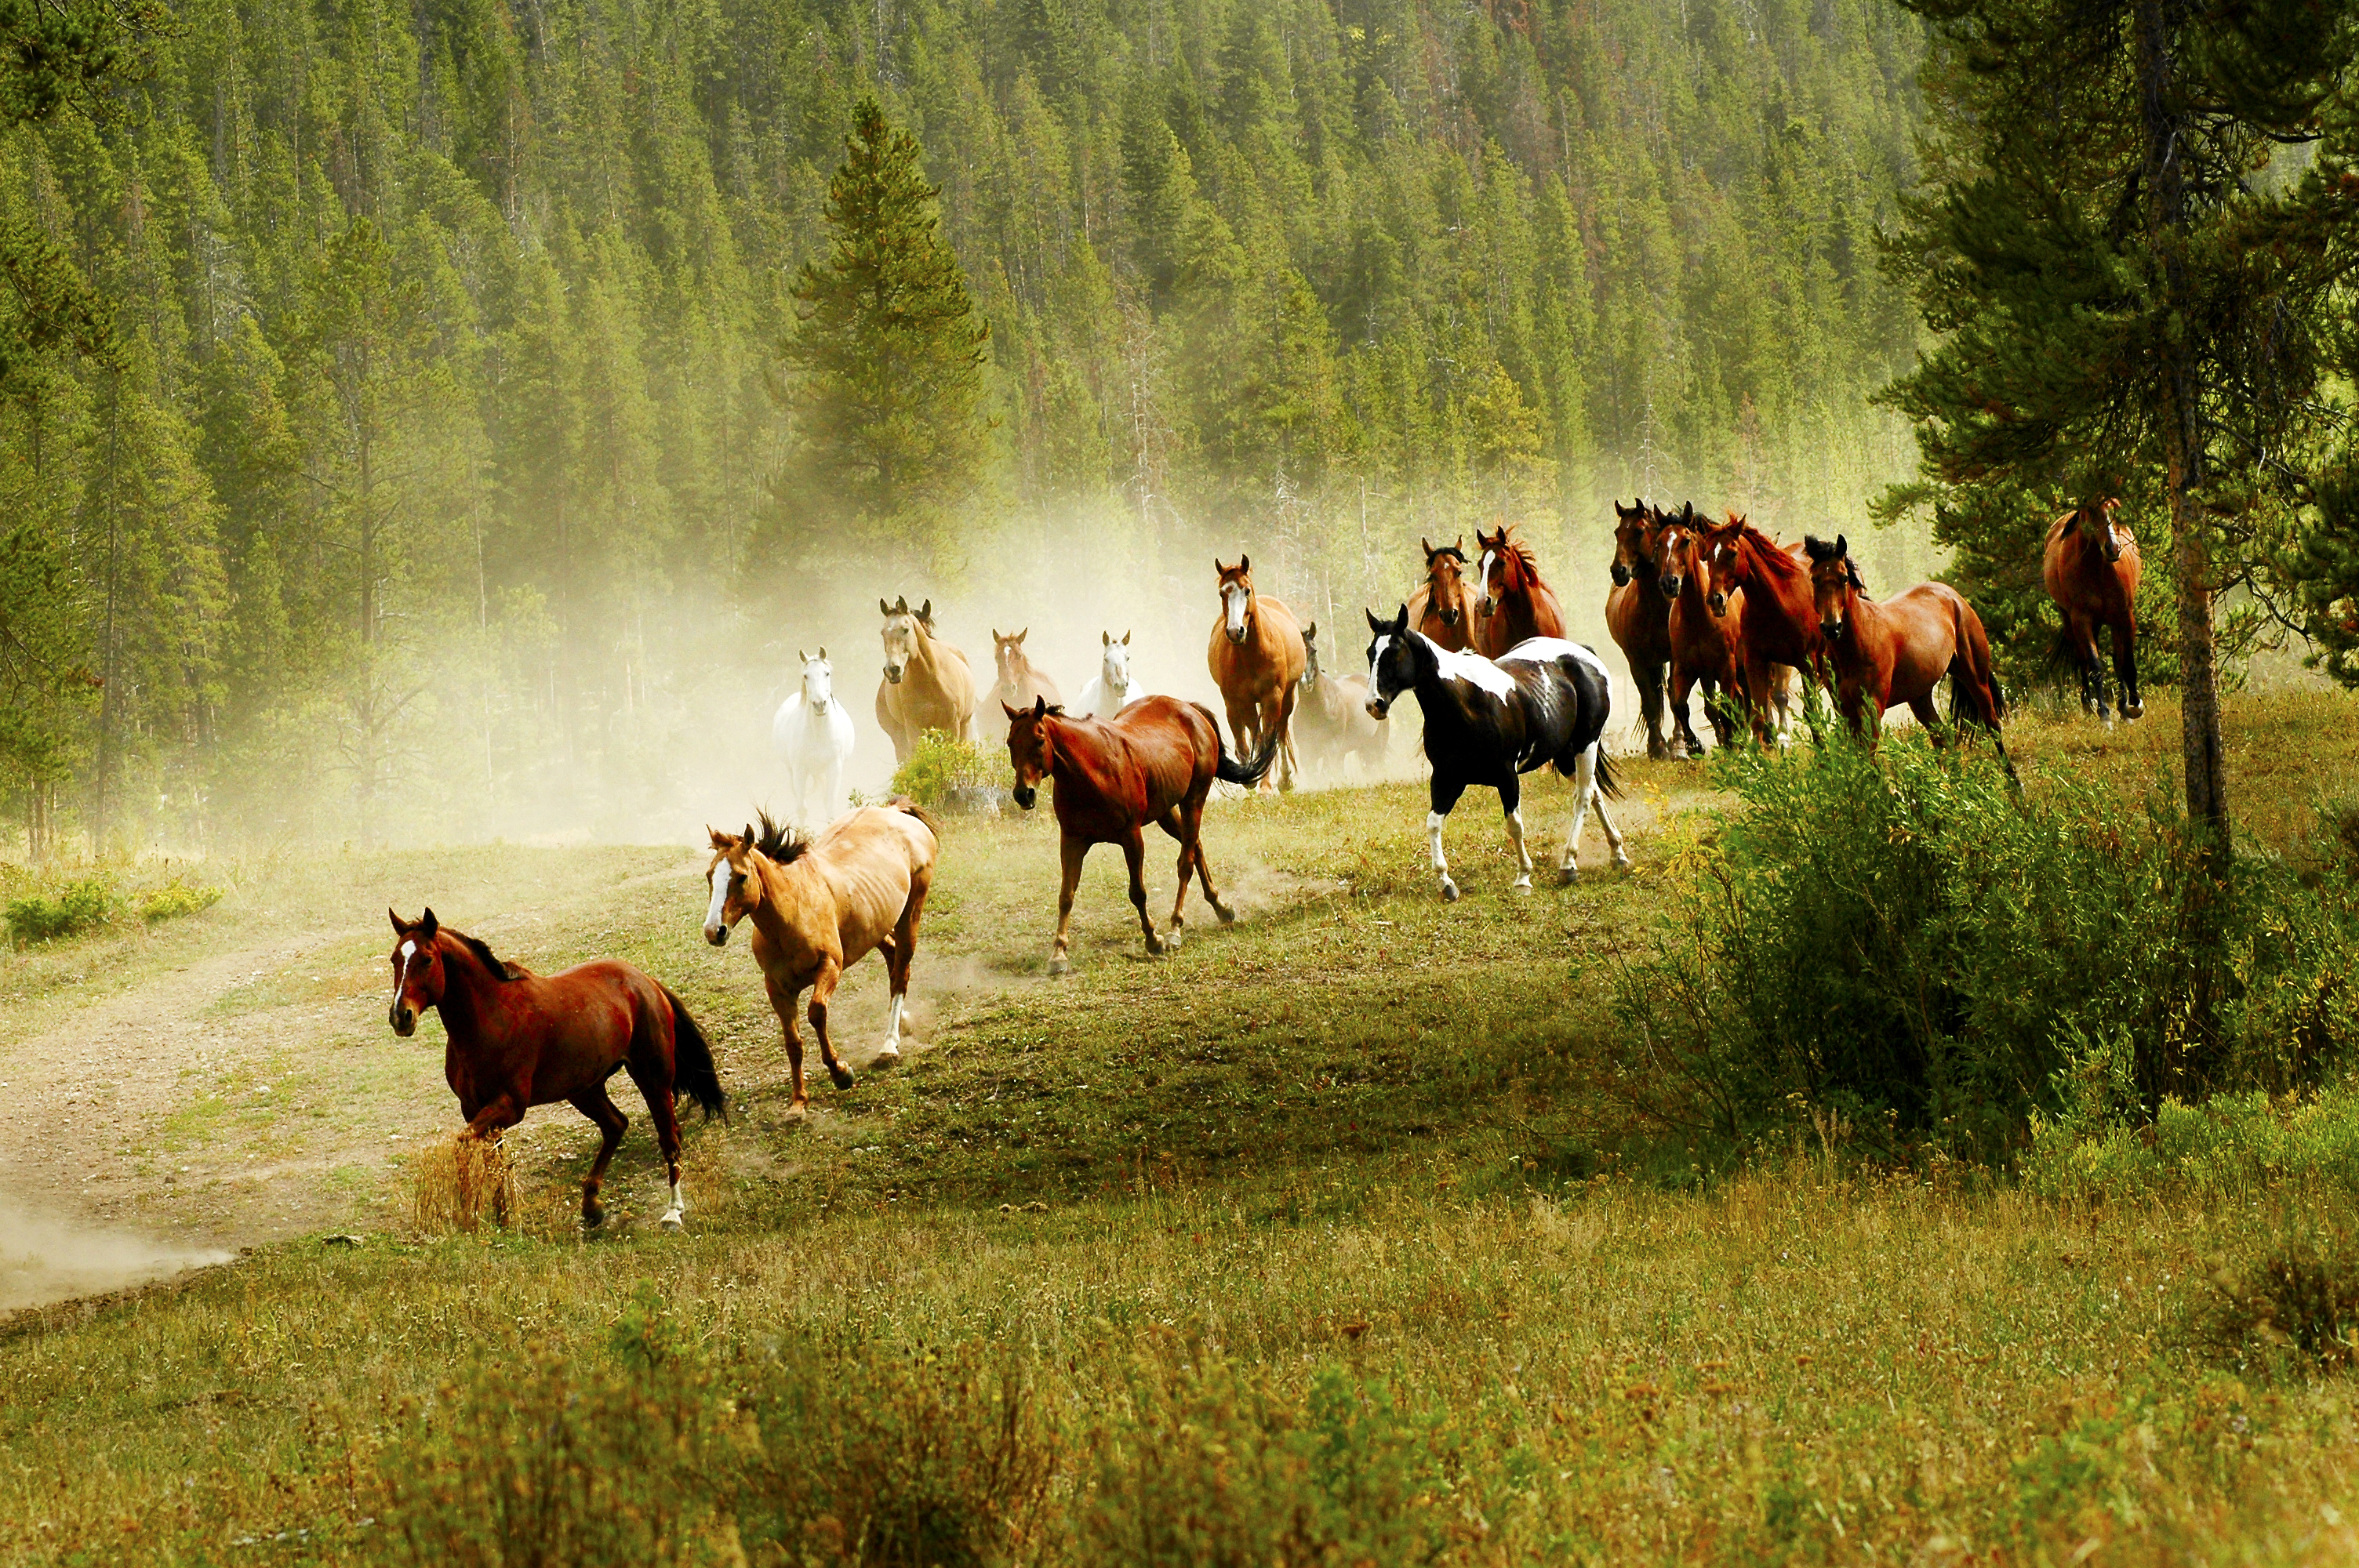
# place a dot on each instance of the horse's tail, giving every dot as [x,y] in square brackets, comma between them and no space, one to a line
[1607,784]
[1973,664]
[903,804]
[693,1072]
[1230,771]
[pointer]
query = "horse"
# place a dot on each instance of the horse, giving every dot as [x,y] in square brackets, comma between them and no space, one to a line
[1113,689]
[1777,620]
[519,1040]
[1256,660]
[813,736]
[1021,680]
[1638,615]
[1154,762]
[1442,608]
[1488,722]
[819,906]
[1330,719]
[1703,647]
[1512,605]
[1884,654]
[2090,567]
[927,684]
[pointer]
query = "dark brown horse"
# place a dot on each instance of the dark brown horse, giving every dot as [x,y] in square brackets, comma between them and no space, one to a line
[1256,660]
[1885,653]
[1703,646]
[1021,680]
[2090,567]
[1511,603]
[1153,762]
[517,1039]
[1442,608]
[1777,619]
[1640,615]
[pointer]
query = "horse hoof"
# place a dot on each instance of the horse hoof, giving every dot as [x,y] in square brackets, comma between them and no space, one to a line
[1171,943]
[591,1218]
[885,1058]
[1569,877]
[1621,861]
[1449,891]
[1521,884]
[672,1222]
[1228,917]
[842,1075]
[798,1111]
[1059,967]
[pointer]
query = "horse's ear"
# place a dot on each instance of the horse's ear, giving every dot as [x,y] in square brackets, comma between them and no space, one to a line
[1400,621]
[884,609]
[720,840]
[1021,636]
[749,840]
[1375,625]
[802,657]
[1687,512]
[1244,563]
[1842,546]
[399,928]
[997,638]
[1041,708]
[1426,545]
[822,653]
[1013,713]
[1106,639]
[427,924]
[1311,631]
[926,613]
[1125,638]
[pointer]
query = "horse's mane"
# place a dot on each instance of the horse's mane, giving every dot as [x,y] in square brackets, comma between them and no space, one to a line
[778,844]
[1769,555]
[501,969]
[1512,549]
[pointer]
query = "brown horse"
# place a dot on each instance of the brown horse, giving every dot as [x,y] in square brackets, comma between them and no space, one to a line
[926,684]
[2091,565]
[1885,653]
[1442,608]
[1511,603]
[1777,620]
[1256,659]
[1703,646]
[517,1039]
[1154,762]
[819,905]
[1021,680]
[1332,720]
[1638,615]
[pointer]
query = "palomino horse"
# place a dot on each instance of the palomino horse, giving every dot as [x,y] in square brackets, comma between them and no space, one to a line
[1154,762]
[813,736]
[1113,689]
[518,1039]
[1640,615]
[1703,646]
[926,684]
[1021,680]
[1511,603]
[819,905]
[1332,721]
[1442,608]
[2090,567]
[1896,651]
[1256,661]
[1488,723]
[1777,620]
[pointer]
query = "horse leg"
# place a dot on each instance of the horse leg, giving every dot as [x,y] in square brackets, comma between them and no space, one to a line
[1191,846]
[1930,716]
[782,1003]
[2084,634]
[823,992]
[1587,793]
[593,1103]
[655,1080]
[1072,851]
[1684,741]
[1443,795]
[827,803]
[1173,823]
[1134,856]
[2126,667]
[1650,705]
[1286,760]
[902,947]
[1511,802]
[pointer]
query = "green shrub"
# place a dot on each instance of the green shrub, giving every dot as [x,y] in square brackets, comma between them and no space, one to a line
[2293,1304]
[1898,940]
[75,907]
[175,899]
[2228,1145]
[946,774]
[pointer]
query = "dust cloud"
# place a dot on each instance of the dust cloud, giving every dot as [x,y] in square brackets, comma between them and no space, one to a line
[44,1260]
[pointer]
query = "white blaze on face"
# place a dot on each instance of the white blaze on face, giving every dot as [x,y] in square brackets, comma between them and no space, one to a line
[1483,574]
[401,975]
[1375,661]
[1234,598]
[720,896]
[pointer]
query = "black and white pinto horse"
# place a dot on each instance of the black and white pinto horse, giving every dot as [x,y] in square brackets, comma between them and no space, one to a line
[1543,701]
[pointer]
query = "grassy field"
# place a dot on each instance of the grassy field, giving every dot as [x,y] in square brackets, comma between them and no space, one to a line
[1326,1239]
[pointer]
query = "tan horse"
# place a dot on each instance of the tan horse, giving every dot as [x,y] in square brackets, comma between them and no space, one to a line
[819,905]
[927,684]
[1021,680]
[1257,658]
[1442,608]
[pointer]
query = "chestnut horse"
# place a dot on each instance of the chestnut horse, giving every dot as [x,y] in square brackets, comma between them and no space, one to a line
[1885,653]
[1703,646]
[1775,618]
[819,905]
[1640,615]
[1442,608]
[517,1039]
[1511,603]
[1154,762]
[1256,660]
[1021,680]
[2090,567]
[927,684]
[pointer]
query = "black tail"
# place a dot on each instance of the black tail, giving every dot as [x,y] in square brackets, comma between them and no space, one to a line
[1248,773]
[1607,784]
[693,1072]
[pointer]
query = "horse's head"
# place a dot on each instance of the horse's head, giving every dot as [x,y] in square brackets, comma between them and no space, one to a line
[1834,582]
[902,625]
[1114,662]
[819,680]
[1674,551]
[1445,580]
[1031,745]
[1397,660]
[417,971]
[1491,572]
[1007,653]
[1634,540]
[1310,654]
[734,879]
[1236,598]
[2111,535]
[1721,545]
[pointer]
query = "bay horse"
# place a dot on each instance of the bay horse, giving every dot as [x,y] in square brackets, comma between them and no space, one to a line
[927,684]
[1488,722]
[1777,619]
[1021,680]
[2091,565]
[519,1040]
[1332,721]
[1256,660]
[1511,603]
[1894,651]
[1113,689]
[1638,615]
[812,734]
[1153,762]
[1442,608]
[819,906]
[1702,645]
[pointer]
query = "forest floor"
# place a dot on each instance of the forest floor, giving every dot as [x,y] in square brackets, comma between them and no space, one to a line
[1359,1133]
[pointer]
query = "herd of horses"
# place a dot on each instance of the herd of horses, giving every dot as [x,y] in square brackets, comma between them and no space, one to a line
[1502,691]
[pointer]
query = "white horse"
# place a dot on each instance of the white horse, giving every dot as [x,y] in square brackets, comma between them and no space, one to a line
[1113,690]
[813,736]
